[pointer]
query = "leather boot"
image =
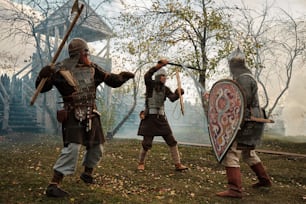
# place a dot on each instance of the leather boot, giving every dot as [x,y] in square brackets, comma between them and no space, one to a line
[53,190]
[264,180]
[180,167]
[234,183]
[176,158]
[86,176]
[142,157]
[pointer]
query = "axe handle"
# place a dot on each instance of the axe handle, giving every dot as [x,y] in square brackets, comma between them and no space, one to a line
[260,120]
[43,81]
[67,34]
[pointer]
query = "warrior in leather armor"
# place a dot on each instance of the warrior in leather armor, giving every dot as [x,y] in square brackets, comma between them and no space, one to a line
[248,136]
[77,78]
[153,119]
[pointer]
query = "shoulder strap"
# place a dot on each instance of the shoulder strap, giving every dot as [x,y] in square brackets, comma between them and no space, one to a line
[68,76]
[246,74]
[68,64]
[64,68]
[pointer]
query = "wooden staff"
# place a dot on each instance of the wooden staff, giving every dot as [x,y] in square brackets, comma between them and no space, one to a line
[179,91]
[75,7]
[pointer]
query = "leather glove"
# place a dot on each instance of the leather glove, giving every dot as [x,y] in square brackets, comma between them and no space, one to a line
[126,75]
[46,72]
[182,91]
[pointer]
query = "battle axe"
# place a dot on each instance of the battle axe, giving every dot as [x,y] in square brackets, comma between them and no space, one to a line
[75,8]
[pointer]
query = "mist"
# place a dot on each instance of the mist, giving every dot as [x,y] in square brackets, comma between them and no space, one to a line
[294,110]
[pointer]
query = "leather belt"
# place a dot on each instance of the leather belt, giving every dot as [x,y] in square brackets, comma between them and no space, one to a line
[156,111]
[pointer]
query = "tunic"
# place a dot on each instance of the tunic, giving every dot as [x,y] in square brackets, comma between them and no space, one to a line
[251,132]
[155,124]
[75,130]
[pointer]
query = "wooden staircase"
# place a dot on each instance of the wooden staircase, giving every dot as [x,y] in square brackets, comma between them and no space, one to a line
[23,118]
[15,115]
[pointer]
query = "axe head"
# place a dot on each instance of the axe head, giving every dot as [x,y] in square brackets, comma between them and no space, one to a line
[75,7]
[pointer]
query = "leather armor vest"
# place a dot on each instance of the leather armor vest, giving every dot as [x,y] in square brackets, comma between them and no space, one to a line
[81,78]
[85,95]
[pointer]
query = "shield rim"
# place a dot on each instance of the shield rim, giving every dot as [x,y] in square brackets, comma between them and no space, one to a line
[242,116]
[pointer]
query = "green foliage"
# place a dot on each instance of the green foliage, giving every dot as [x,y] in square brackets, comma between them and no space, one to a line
[28,161]
[194,32]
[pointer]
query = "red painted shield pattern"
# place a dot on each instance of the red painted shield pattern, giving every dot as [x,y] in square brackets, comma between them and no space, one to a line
[225,114]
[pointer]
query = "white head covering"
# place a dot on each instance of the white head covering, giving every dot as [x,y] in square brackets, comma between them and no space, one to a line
[160,72]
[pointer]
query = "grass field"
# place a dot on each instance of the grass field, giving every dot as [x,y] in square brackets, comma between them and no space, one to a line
[27,160]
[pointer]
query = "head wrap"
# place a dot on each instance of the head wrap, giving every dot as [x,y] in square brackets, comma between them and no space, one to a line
[159,73]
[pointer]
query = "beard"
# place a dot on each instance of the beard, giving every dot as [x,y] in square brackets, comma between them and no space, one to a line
[84,59]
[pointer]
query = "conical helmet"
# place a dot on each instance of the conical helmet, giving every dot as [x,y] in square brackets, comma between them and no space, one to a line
[76,45]
[236,56]
[236,61]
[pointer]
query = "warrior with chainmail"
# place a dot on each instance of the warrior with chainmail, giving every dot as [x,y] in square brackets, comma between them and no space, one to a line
[249,136]
[153,119]
[77,79]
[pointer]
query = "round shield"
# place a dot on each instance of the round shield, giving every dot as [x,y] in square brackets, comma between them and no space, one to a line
[225,115]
